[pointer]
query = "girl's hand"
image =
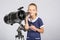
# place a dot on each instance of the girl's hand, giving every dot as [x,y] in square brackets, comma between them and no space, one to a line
[27,17]
[26,23]
[32,27]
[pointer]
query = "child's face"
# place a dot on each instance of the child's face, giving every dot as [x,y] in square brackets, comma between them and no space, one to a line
[32,9]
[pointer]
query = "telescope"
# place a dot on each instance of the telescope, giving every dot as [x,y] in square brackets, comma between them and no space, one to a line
[17,17]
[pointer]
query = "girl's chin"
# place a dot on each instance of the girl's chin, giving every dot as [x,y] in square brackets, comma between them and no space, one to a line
[31,14]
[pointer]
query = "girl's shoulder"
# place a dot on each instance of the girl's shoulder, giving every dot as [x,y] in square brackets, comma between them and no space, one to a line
[39,18]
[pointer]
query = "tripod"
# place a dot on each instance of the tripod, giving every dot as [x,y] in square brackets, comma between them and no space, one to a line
[19,36]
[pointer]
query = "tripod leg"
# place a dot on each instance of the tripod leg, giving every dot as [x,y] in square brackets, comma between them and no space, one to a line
[23,38]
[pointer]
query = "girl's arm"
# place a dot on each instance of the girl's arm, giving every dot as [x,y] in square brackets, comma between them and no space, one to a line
[41,30]
[26,23]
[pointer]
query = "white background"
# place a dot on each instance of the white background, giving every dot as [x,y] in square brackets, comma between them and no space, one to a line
[48,10]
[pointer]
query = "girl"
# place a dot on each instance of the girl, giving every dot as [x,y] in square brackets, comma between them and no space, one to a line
[33,23]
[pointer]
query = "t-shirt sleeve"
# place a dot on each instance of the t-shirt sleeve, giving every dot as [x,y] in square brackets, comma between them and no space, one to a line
[40,22]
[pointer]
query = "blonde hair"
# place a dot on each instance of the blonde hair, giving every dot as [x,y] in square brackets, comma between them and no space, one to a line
[33,5]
